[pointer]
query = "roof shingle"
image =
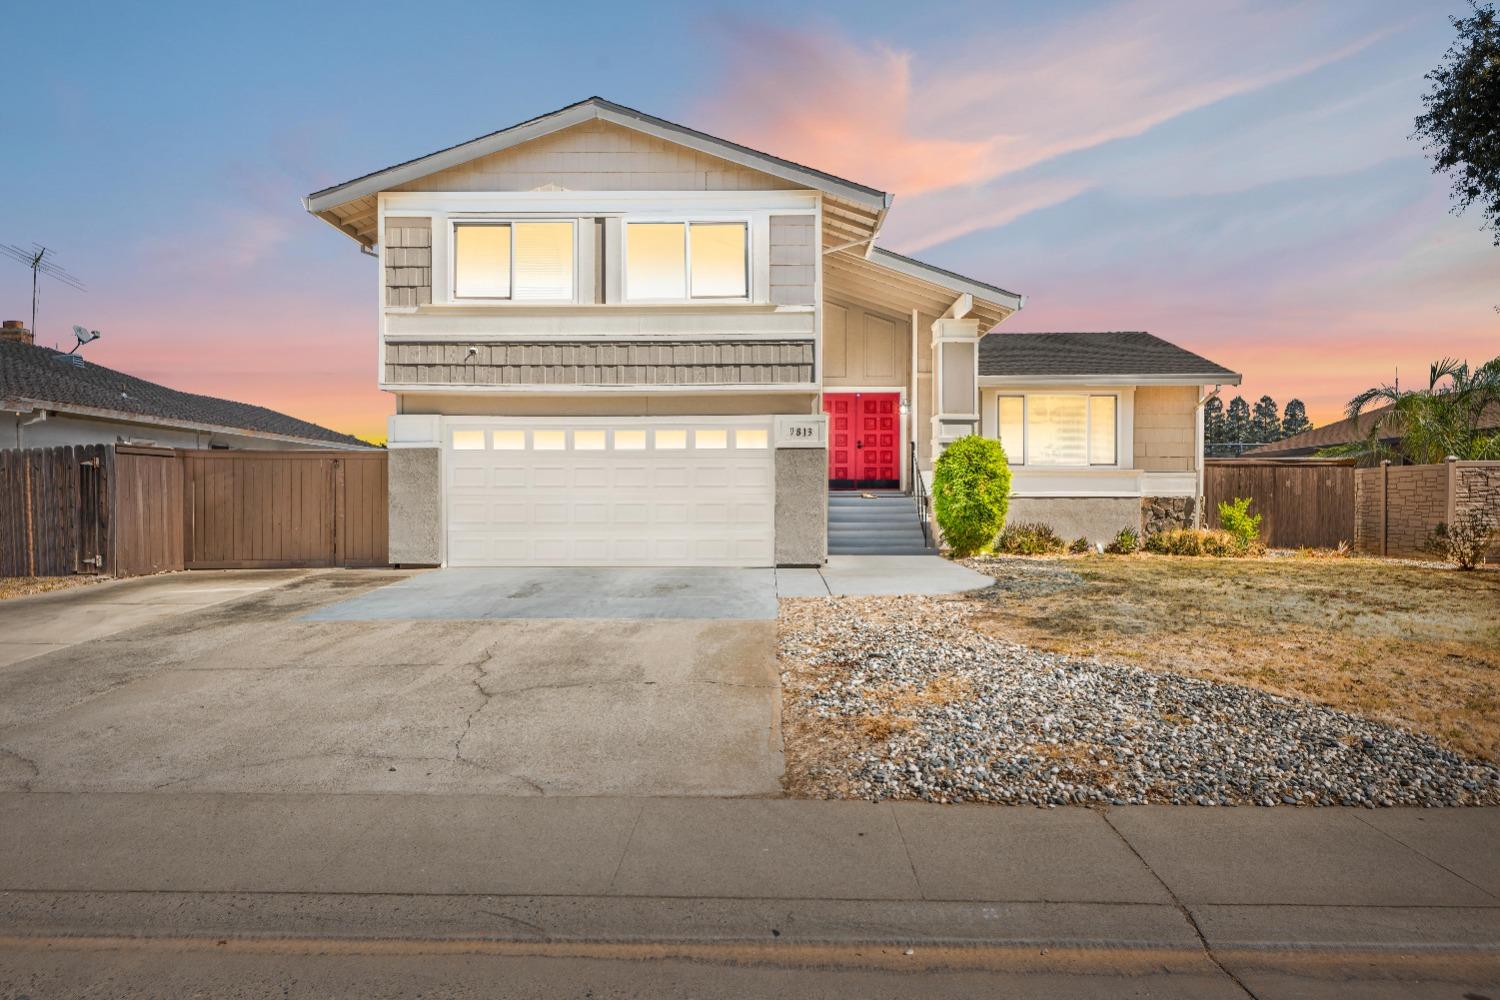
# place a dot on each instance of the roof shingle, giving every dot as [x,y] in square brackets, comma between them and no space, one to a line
[1113,353]
[34,374]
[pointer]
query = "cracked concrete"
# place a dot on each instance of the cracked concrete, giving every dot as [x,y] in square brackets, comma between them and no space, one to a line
[252,696]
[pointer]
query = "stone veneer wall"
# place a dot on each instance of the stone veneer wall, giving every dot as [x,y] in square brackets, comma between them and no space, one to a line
[1165,513]
[1397,507]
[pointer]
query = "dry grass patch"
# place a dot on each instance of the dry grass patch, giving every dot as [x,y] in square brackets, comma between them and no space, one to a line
[23,586]
[1403,643]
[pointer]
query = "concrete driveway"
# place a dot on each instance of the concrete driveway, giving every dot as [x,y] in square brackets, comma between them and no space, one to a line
[269,693]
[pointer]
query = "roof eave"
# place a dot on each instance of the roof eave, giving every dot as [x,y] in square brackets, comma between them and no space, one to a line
[1199,378]
[1000,297]
[126,417]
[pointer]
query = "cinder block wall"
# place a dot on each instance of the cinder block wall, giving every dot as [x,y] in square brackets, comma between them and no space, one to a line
[1398,507]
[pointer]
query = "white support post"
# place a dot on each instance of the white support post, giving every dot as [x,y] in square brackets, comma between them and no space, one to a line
[955,381]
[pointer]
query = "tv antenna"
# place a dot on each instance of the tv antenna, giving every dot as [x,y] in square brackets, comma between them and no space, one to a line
[41,260]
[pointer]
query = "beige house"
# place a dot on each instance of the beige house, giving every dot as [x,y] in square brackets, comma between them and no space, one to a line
[616,340]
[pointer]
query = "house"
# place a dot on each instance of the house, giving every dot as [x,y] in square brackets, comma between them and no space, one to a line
[616,340]
[1348,431]
[48,398]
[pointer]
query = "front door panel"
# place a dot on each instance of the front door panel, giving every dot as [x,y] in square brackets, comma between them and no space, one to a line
[864,439]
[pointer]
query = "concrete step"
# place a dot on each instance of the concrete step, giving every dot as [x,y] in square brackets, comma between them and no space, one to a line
[879,550]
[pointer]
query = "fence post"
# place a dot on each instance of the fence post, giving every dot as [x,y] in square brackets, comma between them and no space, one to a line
[1385,503]
[1451,507]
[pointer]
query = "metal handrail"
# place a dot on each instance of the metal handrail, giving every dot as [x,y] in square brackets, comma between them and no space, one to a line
[924,502]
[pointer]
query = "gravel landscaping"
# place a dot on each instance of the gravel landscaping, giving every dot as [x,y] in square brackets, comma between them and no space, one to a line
[904,698]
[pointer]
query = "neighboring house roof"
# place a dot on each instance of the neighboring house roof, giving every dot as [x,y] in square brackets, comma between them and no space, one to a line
[37,376]
[588,110]
[1083,356]
[1348,430]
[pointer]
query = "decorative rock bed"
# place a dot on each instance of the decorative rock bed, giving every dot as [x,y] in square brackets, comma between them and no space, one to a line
[901,698]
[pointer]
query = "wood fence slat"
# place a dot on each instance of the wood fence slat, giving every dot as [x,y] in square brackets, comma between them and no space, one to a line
[1302,502]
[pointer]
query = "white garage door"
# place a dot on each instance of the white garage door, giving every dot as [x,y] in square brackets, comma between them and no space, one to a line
[625,493]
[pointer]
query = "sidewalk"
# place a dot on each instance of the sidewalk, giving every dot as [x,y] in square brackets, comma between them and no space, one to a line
[585,869]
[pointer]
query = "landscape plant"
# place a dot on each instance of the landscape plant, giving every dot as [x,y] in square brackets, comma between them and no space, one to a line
[1029,539]
[1467,540]
[970,493]
[1235,518]
[1195,542]
[1126,541]
[1080,546]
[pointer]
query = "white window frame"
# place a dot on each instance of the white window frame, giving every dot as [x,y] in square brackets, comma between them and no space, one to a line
[687,222]
[1088,419]
[490,220]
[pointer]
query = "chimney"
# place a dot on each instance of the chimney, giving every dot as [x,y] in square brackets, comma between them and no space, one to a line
[15,331]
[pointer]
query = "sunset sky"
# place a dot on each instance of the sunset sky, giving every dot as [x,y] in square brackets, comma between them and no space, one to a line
[1235,177]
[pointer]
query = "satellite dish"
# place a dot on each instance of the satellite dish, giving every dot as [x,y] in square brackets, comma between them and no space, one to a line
[84,336]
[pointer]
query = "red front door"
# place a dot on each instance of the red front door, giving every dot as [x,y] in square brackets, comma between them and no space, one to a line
[864,439]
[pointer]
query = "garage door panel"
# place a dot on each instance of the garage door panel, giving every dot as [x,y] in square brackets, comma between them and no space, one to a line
[600,506]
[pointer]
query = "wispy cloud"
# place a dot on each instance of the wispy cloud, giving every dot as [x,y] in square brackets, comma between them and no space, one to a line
[959,135]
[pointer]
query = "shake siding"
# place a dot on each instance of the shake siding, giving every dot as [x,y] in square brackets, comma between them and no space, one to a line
[408,261]
[794,260]
[602,364]
[598,156]
[1166,428]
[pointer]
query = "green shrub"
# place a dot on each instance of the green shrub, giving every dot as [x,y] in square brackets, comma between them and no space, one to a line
[1126,541]
[1195,542]
[1080,546]
[970,493]
[1029,540]
[1235,518]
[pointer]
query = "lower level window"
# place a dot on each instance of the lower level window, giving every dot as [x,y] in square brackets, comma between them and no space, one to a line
[1058,429]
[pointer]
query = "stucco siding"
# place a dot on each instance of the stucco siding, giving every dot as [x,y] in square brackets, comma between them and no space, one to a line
[597,156]
[1166,428]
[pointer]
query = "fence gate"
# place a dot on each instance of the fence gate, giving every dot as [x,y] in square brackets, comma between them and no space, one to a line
[54,510]
[257,510]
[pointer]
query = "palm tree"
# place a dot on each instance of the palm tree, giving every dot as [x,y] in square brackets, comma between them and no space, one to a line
[1429,424]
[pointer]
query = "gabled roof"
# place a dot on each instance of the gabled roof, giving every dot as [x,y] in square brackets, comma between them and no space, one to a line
[1078,356]
[35,375]
[588,110]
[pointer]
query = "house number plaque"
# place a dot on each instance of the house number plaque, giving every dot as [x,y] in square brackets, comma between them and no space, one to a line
[802,432]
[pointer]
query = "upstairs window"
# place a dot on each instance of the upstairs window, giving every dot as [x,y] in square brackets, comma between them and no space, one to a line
[687,260]
[1061,430]
[521,261]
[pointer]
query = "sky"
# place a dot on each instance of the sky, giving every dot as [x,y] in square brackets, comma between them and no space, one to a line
[1237,177]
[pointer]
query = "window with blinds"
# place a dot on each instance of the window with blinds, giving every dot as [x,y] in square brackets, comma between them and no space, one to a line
[1058,429]
[520,261]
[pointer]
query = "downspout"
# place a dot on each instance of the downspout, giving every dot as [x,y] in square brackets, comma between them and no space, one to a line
[40,416]
[1201,438]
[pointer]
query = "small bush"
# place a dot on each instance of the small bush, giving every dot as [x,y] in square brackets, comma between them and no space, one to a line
[1029,540]
[1467,540]
[1195,542]
[970,493]
[1235,517]
[1126,541]
[1080,546]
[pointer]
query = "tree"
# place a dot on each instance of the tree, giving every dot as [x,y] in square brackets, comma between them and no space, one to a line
[1265,422]
[1294,420]
[1213,420]
[1237,421]
[1432,423]
[1461,129]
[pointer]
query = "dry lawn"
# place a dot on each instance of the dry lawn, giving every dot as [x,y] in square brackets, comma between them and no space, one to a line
[1407,644]
[22,586]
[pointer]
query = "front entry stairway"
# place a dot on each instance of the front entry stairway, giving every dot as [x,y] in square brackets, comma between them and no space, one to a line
[875,523]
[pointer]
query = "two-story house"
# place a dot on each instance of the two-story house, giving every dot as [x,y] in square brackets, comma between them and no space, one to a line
[614,340]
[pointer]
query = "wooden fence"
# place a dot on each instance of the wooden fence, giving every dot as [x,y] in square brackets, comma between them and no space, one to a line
[129,511]
[1302,502]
